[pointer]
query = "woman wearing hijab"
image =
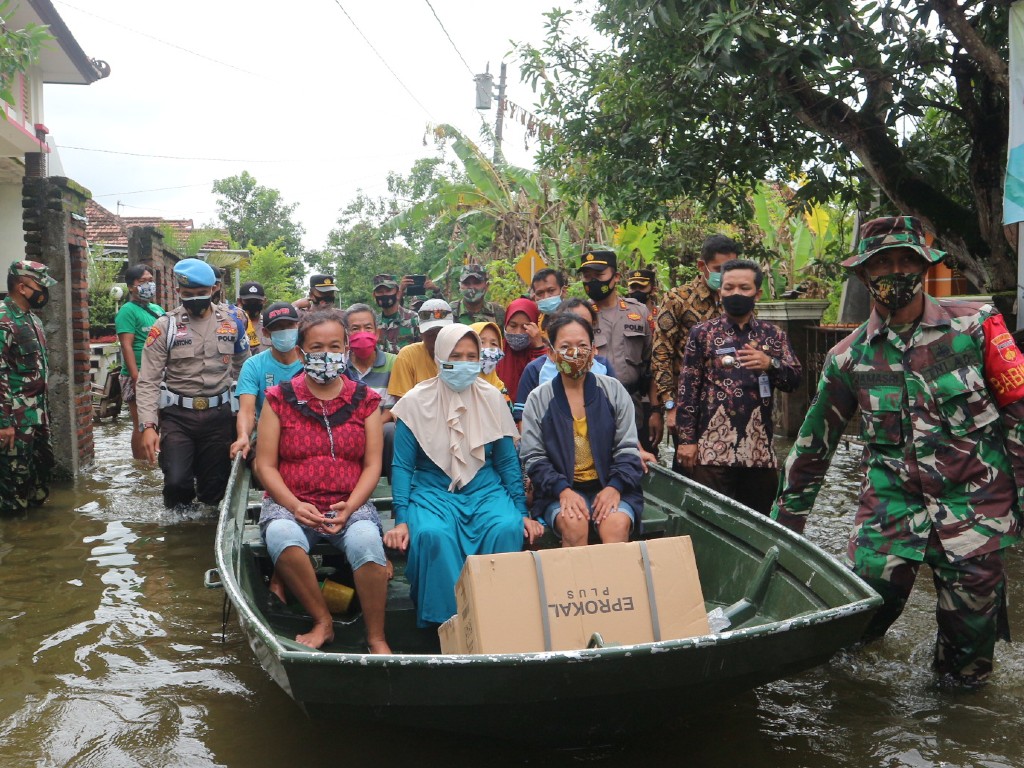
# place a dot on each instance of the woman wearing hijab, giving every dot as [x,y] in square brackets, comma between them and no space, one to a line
[524,341]
[456,481]
[491,354]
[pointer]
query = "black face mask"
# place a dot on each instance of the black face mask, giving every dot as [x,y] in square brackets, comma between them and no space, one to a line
[386,302]
[39,297]
[598,289]
[641,296]
[738,305]
[252,308]
[197,305]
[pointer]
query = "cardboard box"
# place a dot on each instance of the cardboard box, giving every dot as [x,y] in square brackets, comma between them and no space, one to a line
[451,636]
[557,599]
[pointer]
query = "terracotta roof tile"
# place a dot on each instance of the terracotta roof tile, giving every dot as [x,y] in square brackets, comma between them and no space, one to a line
[104,226]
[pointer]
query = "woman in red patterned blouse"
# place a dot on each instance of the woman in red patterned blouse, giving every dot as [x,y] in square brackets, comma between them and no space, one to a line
[319,457]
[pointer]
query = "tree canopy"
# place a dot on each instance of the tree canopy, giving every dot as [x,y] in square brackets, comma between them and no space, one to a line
[256,215]
[706,98]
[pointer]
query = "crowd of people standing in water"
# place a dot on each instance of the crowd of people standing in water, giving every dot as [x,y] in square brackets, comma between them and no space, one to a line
[496,424]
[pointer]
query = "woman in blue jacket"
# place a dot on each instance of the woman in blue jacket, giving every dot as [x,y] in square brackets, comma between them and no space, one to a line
[580,444]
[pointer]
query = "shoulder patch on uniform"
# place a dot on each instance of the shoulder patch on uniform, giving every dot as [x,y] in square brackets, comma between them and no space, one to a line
[633,316]
[153,335]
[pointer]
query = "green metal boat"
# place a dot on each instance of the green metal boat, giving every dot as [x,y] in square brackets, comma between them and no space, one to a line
[790,606]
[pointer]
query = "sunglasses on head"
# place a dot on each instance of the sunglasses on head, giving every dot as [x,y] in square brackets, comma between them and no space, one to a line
[434,314]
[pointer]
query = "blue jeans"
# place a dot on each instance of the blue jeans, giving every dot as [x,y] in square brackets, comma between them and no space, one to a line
[555,508]
[359,541]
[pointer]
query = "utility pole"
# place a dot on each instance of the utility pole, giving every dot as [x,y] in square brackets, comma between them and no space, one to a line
[500,116]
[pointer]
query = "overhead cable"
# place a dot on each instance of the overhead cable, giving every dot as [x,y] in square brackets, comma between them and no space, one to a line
[441,23]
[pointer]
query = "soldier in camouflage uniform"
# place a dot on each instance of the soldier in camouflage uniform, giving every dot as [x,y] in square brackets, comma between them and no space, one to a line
[681,309]
[939,385]
[397,326]
[26,457]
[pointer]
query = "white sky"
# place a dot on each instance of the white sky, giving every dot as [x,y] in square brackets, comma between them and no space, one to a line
[299,90]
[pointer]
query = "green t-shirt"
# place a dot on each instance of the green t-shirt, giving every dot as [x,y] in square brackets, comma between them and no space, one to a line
[132,318]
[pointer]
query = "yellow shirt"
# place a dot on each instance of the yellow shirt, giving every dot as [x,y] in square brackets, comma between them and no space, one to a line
[584,471]
[413,365]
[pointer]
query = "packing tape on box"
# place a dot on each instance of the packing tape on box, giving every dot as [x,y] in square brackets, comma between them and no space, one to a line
[648,575]
[655,624]
[545,622]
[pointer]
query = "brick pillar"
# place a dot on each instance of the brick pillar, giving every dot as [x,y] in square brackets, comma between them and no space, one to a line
[54,223]
[795,318]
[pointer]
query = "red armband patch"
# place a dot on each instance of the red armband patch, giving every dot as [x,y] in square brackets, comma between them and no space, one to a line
[1004,363]
[154,334]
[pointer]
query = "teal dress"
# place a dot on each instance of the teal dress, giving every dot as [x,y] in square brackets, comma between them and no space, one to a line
[484,517]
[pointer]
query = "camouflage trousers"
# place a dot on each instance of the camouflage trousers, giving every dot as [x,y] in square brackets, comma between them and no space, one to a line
[25,471]
[970,605]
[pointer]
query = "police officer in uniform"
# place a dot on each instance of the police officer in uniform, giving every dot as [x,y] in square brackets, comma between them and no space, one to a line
[26,456]
[190,359]
[623,333]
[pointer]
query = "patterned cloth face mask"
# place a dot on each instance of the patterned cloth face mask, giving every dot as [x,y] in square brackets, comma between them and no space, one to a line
[574,362]
[489,358]
[896,290]
[324,367]
[146,291]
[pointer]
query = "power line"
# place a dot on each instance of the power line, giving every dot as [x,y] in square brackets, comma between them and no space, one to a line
[177,157]
[157,39]
[441,23]
[383,61]
[155,189]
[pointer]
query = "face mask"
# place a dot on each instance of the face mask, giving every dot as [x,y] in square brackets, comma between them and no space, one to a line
[598,289]
[489,358]
[363,343]
[896,290]
[640,296]
[252,307]
[196,305]
[572,364]
[517,342]
[473,295]
[146,291]
[459,375]
[324,367]
[714,280]
[549,304]
[39,297]
[285,340]
[322,301]
[738,305]
[385,302]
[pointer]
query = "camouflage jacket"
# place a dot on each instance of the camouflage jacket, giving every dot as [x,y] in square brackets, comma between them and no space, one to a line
[939,453]
[398,330]
[490,312]
[23,369]
[681,309]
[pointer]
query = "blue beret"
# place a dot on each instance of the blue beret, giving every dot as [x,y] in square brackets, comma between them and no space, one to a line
[194,273]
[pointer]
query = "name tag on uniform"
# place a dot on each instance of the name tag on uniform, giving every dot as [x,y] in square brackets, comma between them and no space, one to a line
[725,351]
[764,385]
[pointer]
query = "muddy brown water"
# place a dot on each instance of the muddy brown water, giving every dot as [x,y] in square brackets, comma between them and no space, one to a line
[111,655]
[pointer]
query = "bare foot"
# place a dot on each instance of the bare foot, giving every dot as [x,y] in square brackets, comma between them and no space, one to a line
[379,646]
[320,634]
[389,569]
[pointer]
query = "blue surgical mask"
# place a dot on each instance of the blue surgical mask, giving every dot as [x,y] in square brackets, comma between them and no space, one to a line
[146,291]
[285,340]
[459,375]
[489,358]
[324,367]
[549,304]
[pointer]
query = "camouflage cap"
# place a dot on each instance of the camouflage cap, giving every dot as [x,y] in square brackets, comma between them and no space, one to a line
[473,270]
[385,280]
[641,277]
[34,269]
[889,232]
[599,260]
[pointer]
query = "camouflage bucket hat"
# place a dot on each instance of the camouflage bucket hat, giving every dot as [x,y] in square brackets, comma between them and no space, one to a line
[893,232]
[37,271]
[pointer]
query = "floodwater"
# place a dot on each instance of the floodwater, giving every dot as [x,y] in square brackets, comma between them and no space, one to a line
[111,655]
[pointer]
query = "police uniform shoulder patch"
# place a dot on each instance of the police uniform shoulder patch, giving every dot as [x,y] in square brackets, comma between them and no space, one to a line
[633,316]
[153,335]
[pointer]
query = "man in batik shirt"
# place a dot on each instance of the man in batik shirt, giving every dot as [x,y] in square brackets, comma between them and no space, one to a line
[939,385]
[731,368]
